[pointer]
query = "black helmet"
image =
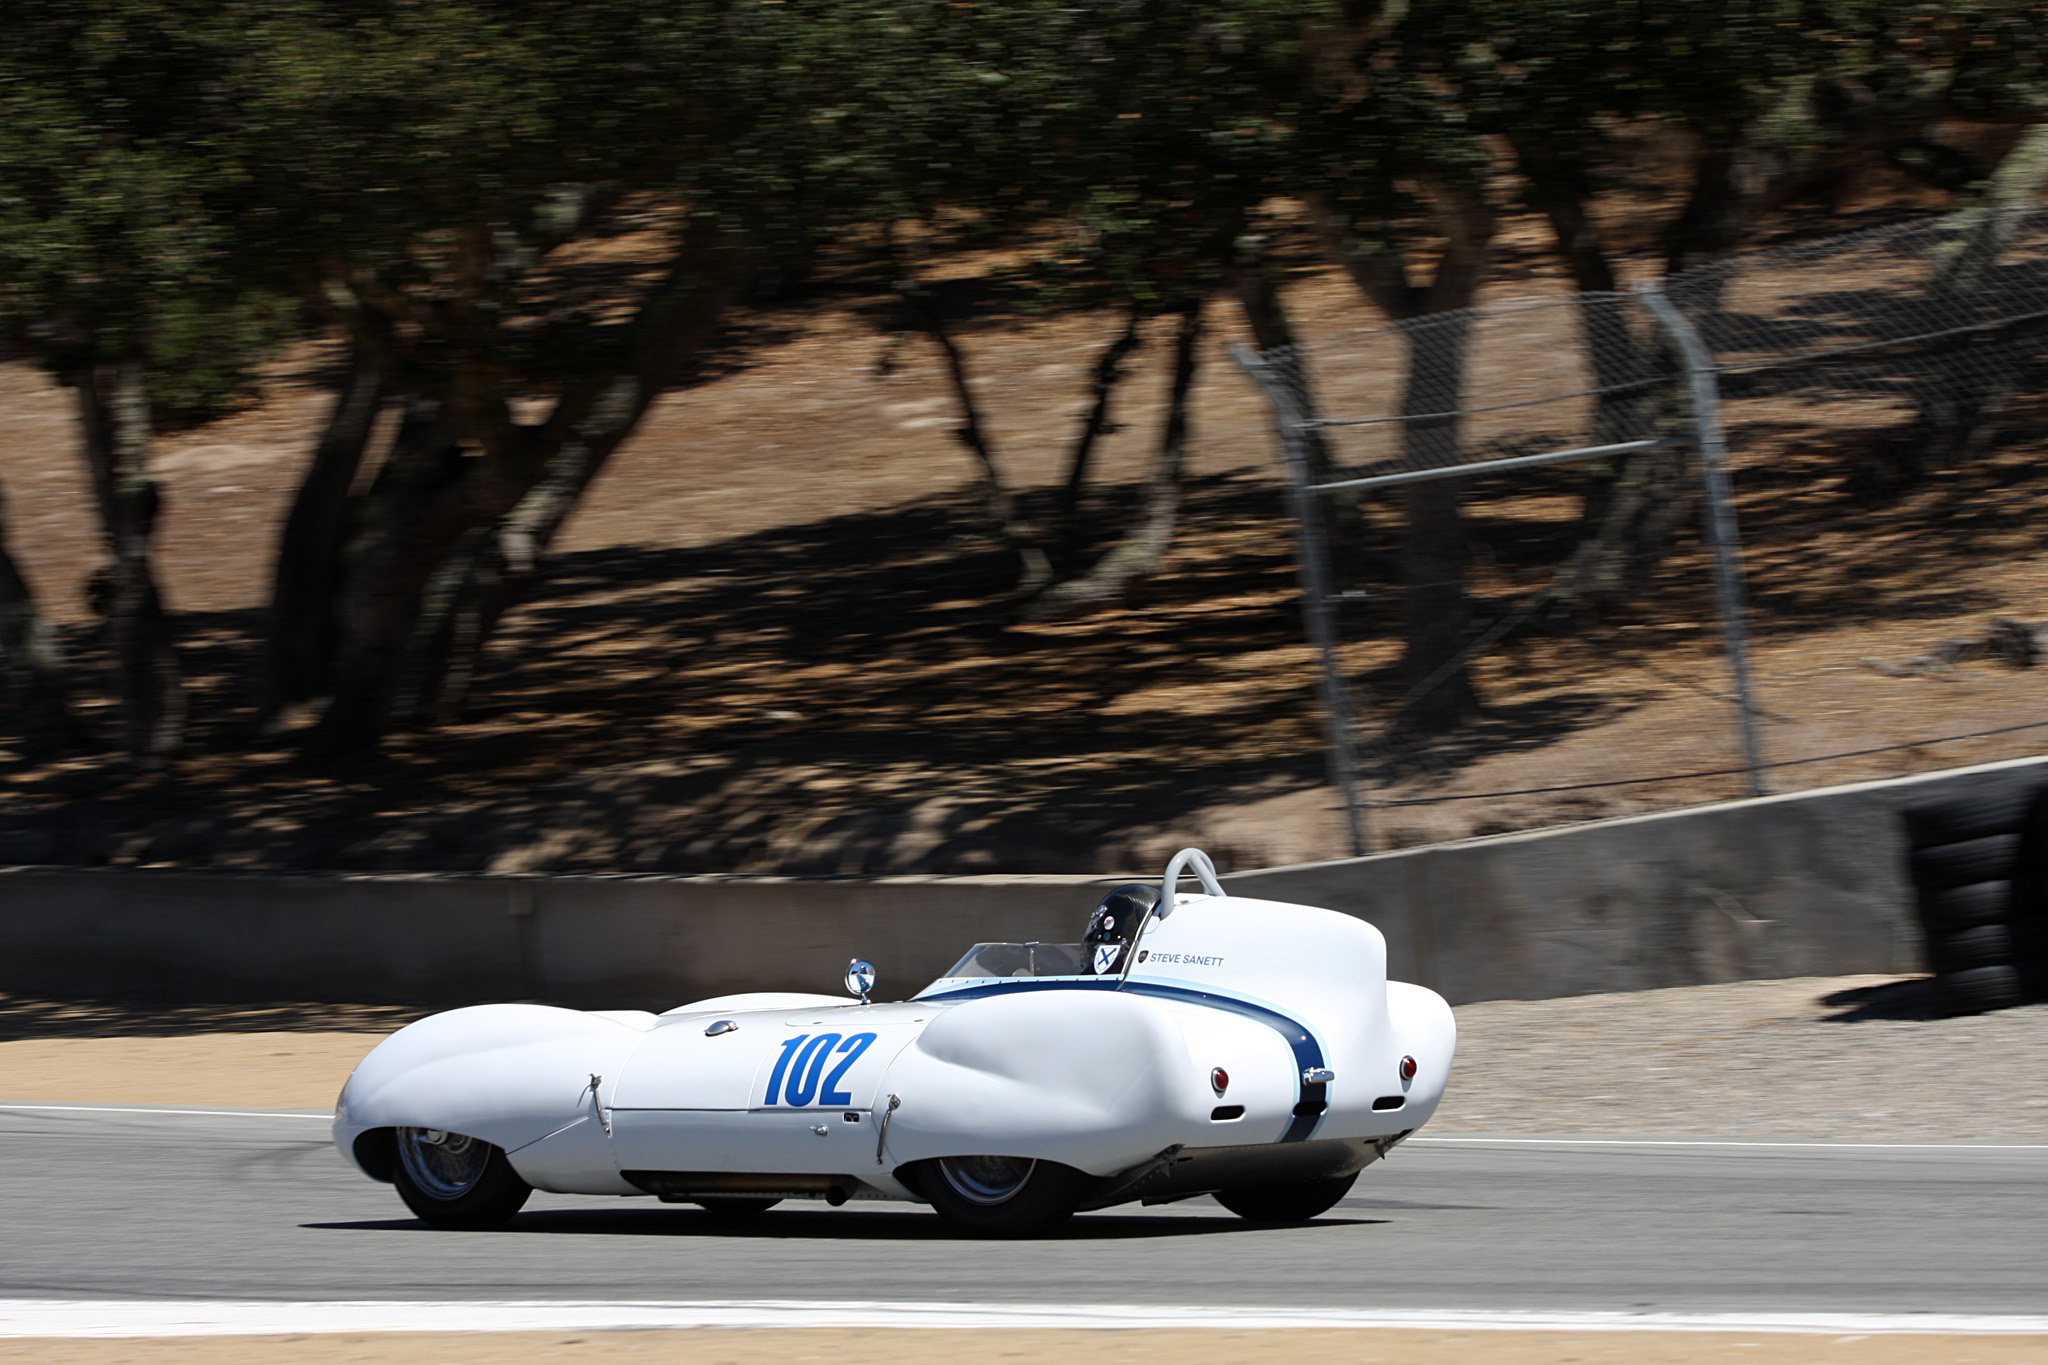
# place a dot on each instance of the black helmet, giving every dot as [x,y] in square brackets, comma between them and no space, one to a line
[1115,924]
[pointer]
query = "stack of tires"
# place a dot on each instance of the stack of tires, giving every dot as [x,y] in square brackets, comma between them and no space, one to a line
[1979,866]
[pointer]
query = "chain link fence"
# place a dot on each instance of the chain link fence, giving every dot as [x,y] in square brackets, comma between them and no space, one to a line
[1857,375]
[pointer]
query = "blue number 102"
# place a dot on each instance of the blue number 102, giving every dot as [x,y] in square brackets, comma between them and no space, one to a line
[802,1064]
[789,1047]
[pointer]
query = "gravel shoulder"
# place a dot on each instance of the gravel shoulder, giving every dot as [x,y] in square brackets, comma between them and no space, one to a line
[1849,1057]
[1845,1057]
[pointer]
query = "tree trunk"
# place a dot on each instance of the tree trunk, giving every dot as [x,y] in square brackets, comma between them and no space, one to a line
[1561,186]
[1137,555]
[491,571]
[393,547]
[1711,224]
[33,661]
[1633,502]
[1966,382]
[1257,285]
[1989,226]
[413,535]
[300,634]
[1034,565]
[449,638]
[1436,616]
[1632,517]
[113,405]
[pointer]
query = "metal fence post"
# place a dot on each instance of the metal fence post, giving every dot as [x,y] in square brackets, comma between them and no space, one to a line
[1719,521]
[1292,420]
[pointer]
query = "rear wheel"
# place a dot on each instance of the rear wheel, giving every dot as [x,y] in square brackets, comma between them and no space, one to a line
[454,1181]
[1296,1202]
[1000,1196]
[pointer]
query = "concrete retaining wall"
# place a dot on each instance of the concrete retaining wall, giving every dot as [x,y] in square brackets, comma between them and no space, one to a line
[1807,884]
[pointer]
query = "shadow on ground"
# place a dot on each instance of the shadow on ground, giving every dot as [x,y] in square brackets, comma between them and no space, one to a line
[1912,998]
[907,1225]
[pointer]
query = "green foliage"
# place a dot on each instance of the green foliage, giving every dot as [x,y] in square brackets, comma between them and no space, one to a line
[1130,143]
[1184,125]
[117,207]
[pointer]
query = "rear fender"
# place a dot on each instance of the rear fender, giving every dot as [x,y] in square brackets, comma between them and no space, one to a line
[1096,1080]
[1425,1029]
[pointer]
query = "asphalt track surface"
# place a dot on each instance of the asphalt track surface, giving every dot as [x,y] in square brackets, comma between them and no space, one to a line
[129,1204]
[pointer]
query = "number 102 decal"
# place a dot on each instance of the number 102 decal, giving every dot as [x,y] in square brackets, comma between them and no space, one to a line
[803,1062]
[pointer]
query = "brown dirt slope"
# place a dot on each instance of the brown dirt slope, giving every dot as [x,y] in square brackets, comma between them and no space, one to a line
[778,637]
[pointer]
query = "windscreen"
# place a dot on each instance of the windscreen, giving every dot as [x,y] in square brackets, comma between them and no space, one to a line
[1022,959]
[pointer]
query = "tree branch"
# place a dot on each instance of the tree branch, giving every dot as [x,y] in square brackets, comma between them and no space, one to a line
[1109,370]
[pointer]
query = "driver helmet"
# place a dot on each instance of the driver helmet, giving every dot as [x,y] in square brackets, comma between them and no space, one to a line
[1114,925]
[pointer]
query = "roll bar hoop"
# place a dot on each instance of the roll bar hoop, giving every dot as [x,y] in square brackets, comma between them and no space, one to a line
[1188,859]
[1192,860]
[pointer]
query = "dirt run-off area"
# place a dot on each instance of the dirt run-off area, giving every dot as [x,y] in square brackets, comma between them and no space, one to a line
[779,636]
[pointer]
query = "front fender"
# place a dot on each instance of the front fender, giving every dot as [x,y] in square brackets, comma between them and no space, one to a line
[509,1074]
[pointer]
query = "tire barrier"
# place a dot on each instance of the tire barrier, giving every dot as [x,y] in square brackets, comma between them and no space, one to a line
[1979,868]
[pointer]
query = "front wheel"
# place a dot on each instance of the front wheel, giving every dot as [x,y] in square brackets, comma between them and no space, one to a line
[1296,1202]
[454,1181]
[1000,1196]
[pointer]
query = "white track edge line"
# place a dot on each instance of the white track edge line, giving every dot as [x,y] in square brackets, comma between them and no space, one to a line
[141,1109]
[166,1318]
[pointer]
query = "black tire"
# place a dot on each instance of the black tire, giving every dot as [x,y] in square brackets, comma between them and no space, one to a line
[988,1196]
[2030,938]
[736,1210]
[1967,817]
[1965,907]
[2033,974]
[2029,898]
[2030,861]
[455,1181]
[1940,866]
[1974,992]
[2031,857]
[1963,950]
[1292,1203]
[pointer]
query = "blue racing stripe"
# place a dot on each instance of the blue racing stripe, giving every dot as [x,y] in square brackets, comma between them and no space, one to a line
[1311,1099]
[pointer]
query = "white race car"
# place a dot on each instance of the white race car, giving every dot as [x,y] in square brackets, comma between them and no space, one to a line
[1190,1044]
